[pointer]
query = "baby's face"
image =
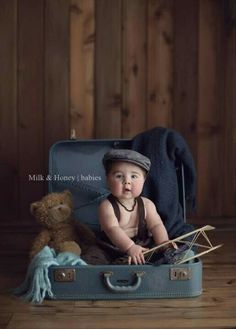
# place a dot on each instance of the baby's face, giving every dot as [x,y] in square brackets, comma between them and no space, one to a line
[125,180]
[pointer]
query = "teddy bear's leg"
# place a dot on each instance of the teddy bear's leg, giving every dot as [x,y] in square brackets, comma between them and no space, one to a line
[69,246]
[41,240]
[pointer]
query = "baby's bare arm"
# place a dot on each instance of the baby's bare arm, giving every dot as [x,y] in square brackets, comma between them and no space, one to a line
[154,223]
[119,238]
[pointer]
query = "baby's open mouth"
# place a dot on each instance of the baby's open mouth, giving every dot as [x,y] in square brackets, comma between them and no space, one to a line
[127,190]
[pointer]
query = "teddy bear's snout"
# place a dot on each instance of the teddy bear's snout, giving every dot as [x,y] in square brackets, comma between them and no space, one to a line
[60,212]
[62,208]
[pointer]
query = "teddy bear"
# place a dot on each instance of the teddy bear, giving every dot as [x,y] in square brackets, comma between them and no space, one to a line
[54,212]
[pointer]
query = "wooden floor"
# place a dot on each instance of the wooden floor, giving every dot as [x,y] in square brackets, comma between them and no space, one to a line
[215,308]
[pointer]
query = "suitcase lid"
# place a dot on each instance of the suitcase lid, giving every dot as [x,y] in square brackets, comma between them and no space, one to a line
[76,165]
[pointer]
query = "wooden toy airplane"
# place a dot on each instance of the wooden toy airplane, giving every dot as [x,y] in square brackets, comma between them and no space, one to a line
[181,239]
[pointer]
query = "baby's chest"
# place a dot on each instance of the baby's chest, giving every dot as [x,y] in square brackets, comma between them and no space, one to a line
[129,219]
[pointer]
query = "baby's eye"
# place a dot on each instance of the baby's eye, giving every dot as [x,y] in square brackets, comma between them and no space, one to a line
[134,176]
[119,176]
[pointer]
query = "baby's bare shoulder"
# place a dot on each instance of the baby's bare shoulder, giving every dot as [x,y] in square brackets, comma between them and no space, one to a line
[107,217]
[104,202]
[147,202]
[105,205]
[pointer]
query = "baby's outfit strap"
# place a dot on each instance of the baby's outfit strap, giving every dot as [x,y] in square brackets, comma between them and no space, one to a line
[115,206]
[142,229]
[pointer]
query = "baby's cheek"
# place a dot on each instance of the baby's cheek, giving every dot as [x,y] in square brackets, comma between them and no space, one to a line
[114,188]
[137,189]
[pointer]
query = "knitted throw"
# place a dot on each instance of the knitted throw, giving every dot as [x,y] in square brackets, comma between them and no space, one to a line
[37,284]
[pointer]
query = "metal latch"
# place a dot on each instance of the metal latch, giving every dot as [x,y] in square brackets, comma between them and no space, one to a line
[64,275]
[180,274]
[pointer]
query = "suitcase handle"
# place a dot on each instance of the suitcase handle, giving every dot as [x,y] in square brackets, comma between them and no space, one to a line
[132,288]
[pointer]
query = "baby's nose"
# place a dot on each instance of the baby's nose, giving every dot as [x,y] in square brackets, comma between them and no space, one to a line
[127,181]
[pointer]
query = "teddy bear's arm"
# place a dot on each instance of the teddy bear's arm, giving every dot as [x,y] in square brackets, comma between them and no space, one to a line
[41,240]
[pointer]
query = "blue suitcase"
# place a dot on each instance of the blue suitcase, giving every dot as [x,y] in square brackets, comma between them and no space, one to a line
[77,165]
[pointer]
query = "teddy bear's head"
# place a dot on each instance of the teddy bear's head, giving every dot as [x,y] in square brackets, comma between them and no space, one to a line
[52,209]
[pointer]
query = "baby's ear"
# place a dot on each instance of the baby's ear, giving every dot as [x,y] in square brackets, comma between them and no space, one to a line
[34,206]
[145,174]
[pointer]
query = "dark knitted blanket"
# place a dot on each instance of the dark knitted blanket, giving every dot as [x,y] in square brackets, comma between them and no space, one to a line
[166,149]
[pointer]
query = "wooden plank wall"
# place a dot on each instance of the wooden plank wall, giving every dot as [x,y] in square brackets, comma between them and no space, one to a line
[111,69]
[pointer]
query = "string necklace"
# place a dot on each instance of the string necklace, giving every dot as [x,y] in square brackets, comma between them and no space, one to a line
[129,210]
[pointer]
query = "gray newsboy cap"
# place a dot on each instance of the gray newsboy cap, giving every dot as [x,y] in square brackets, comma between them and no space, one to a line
[127,155]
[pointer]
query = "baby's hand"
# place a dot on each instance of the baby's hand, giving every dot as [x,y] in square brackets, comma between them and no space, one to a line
[135,253]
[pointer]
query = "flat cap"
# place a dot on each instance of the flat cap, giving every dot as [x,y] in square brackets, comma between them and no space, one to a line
[127,155]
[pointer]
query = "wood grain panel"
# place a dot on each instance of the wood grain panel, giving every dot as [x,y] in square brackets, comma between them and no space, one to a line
[56,117]
[210,110]
[130,321]
[82,67]
[186,70]
[229,140]
[160,63]
[30,102]
[8,108]
[110,69]
[107,69]
[134,79]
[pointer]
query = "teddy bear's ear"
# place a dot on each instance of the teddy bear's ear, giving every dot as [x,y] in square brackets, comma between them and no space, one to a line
[34,206]
[67,192]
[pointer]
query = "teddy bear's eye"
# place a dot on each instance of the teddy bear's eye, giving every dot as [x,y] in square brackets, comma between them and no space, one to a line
[61,202]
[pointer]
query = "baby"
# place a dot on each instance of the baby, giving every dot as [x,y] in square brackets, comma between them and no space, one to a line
[127,219]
